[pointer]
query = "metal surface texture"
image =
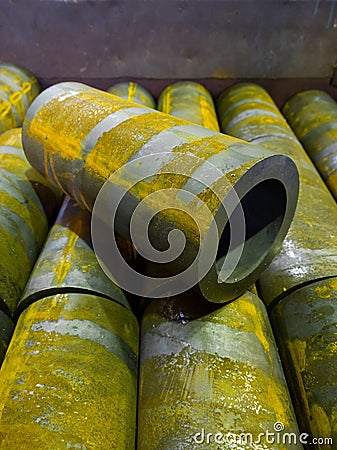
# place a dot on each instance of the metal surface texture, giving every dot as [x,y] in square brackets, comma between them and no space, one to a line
[18,88]
[305,329]
[69,379]
[309,251]
[6,331]
[190,101]
[134,93]
[27,200]
[267,33]
[67,262]
[77,130]
[313,116]
[210,370]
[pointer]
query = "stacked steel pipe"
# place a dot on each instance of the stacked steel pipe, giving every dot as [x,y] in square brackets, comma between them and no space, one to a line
[28,201]
[18,88]
[299,285]
[313,116]
[133,92]
[207,371]
[69,378]
[189,101]
[112,131]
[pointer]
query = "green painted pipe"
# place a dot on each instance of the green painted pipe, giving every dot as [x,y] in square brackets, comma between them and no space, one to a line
[111,131]
[133,92]
[313,116]
[18,88]
[27,201]
[211,370]
[309,251]
[305,329]
[67,262]
[69,379]
[190,101]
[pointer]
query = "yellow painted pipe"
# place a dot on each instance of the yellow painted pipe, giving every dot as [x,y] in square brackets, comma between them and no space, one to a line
[211,373]
[69,379]
[27,201]
[190,101]
[6,331]
[18,88]
[133,92]
[305,329]
[296,286]
[309,251]
[111,131]
[67,262]
[313,116]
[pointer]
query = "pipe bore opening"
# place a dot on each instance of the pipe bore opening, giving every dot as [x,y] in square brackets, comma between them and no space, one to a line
[264,208]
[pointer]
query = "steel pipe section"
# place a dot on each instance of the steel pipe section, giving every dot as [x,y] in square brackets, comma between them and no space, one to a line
[27,201]
[210,370]
[305,329]
[6,331]
[309,251]
[69,379]
[67,262]
[190,101]
[133,92]
[313,116]
[18,88]
[78,137]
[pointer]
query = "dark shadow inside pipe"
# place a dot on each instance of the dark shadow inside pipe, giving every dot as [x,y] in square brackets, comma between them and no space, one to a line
[264,208]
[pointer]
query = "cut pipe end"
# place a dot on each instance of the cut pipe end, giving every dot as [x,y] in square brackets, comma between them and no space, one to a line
[253,233]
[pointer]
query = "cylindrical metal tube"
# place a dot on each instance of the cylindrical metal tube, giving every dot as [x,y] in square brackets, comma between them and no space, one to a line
[26,201]
[18,88]
[302,321]
[313,116]
[206,370]
[111,133]
[69,379]
[305,330]
[133,92]
[309,251]
[190,101]
[67,262]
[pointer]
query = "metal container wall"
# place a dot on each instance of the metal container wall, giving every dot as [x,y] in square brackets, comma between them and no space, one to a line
[313,116]
[110,133]
[189,101]
[309,251]
[133,92]
[27,201]
[206,370]
[67,262]
[305,329]
[69,379]
[18,88]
